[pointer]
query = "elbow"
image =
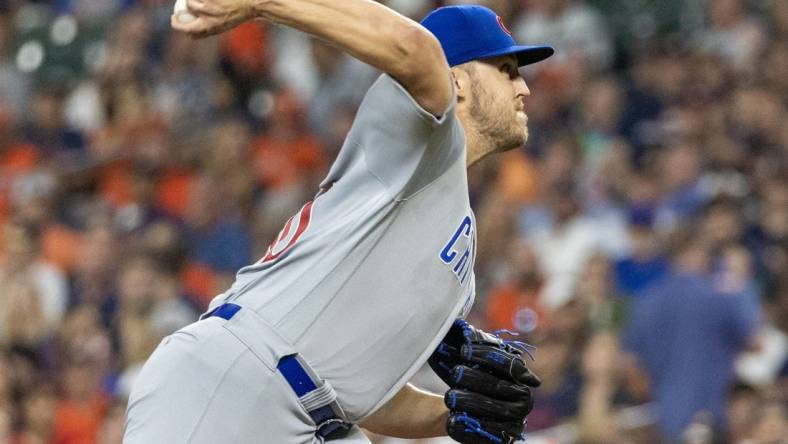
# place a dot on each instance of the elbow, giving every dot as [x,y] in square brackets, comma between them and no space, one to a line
[268,9]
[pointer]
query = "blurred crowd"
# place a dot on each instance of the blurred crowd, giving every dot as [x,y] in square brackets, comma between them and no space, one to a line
[639,240]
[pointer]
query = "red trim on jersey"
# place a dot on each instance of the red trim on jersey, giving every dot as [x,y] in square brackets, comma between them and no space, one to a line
[285,231]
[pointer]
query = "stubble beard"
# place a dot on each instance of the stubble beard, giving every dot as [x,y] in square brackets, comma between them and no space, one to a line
[500,129]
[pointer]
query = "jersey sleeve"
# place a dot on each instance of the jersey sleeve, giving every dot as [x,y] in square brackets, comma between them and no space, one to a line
[404,146]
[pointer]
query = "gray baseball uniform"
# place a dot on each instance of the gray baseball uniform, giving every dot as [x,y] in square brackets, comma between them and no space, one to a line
[362,283]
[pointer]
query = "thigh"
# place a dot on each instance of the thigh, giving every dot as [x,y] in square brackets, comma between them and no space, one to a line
[248,409]
[203,386]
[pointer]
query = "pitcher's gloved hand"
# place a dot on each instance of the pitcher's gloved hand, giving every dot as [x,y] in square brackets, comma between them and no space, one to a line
[490,385]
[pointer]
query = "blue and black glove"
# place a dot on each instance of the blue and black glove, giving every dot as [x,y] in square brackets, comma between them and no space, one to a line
[489,385]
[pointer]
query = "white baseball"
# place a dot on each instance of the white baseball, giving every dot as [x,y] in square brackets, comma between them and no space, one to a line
[181,12]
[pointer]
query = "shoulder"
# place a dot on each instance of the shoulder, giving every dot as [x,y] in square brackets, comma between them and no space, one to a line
[389,95]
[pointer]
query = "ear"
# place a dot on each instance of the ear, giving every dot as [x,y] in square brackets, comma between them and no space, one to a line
[461,83]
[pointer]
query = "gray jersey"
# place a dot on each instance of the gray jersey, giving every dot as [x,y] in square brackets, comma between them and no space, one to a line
[367,278]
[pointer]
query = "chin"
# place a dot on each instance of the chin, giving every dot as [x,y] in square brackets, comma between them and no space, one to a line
[514,142]
[508,136]
[518,139]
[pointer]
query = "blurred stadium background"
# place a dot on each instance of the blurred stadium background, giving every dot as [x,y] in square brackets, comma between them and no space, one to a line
[640,239]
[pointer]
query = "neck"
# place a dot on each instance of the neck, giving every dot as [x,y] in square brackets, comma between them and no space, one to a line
[478,146]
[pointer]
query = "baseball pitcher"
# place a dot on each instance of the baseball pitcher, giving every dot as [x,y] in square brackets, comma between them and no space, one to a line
[367,281]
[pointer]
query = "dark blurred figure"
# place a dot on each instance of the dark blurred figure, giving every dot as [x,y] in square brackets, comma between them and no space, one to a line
[46,126]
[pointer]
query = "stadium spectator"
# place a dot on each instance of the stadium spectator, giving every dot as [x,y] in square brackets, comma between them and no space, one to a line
[645,262]
[559,345]
[595,400]
[564,239]
[685,315]
[25,270]
[741,407]
[577,30]
[771,426]
[732,33]
[14,85]
[514,303]
[38,417]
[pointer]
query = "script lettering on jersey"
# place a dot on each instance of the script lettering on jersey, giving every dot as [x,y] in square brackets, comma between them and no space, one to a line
[294,228]
[458,253]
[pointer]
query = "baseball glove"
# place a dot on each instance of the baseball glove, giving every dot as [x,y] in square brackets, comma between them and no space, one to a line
[489,385]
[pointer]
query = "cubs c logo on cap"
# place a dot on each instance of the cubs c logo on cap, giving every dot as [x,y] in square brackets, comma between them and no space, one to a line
[483,35]
[500,23]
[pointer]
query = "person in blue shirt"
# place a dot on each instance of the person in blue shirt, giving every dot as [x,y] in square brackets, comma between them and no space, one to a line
[685,332]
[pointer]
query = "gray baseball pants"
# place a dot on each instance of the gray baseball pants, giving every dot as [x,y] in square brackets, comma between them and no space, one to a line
[216,382]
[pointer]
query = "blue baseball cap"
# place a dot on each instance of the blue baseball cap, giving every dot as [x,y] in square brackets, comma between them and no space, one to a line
[472,32]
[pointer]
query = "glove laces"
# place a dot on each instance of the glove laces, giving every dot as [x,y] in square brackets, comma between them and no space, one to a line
[519,345]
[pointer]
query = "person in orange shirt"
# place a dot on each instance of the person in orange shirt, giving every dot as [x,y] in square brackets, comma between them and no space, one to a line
[514,304]
[80,411]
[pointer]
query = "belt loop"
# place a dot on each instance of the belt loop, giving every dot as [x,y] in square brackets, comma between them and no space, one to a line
[225,311]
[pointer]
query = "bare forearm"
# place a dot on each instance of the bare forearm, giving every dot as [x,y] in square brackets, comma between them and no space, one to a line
[366,29]
[410,414]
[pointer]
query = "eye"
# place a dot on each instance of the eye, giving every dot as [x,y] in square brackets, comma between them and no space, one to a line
[510,69]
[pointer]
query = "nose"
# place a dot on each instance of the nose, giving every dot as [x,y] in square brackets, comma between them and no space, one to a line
[521,88]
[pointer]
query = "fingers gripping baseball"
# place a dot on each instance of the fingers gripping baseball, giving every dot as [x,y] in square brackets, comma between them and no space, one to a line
[222,8]
[210,17]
